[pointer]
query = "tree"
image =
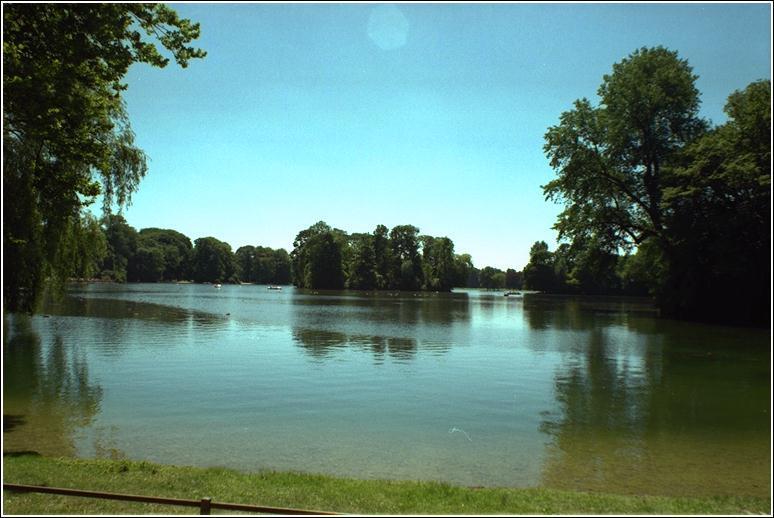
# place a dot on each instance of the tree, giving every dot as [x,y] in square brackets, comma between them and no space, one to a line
[613,161]
[406,263]
[428,260]
[491,278]
[85,247]
[316,258]
[264,265]
[438,263]
[643,170]
[382,257]
[175,248]
[281,267]
[244,258]
[121,246]
[640,273]
[591,268]
[299,256]
[323,268]
[539,272]
[362,275]
[466,274]
[213,261]
[147,264]
[513,279]
[66,137]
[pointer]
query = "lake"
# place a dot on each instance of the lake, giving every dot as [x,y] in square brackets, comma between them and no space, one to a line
[472,387]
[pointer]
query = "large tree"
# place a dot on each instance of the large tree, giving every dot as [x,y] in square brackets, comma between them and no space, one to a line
[323,268]
[121,247]
[317,259]
[244,260]
[281,266]
[613,160]
[66,136]
[438,263]
[213,261]
[362,273]
[539,271]
[299,256]
[406,263]
[176,251]
[643,170]
[382,257]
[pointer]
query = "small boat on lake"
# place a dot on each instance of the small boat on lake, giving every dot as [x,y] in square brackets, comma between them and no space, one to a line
[512,294]
[216,286]
[274,287]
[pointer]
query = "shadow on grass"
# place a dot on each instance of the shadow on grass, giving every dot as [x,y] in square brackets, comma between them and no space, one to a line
[21,453]
[12,421]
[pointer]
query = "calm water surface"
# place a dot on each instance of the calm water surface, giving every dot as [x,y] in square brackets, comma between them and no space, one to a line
[471,387]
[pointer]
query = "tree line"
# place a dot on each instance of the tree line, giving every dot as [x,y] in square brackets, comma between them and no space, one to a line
[323,258]
[113,250]
[396,259]
[589,270]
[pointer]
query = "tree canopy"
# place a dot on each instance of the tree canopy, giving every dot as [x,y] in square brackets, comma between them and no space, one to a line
[612,161]
[398,259]
[66,136]
[642,171]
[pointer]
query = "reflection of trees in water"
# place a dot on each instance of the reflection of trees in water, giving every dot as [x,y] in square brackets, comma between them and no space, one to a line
[117,324]
[657,417]
[47,392]
[321,343]
[585,312]
[127,309]
[602,417]
[401,307]
[394,324]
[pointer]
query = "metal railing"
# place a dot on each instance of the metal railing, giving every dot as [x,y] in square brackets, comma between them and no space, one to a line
[204,504]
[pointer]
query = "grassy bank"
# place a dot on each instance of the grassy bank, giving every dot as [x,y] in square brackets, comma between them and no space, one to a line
[315,492]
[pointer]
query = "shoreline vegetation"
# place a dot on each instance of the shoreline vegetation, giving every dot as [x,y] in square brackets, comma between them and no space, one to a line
[656,198]
[319,492]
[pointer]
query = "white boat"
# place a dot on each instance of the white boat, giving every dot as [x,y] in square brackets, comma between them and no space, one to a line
[274,287]
[216,286]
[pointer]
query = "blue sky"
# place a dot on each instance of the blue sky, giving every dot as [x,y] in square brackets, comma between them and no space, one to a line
[423,114]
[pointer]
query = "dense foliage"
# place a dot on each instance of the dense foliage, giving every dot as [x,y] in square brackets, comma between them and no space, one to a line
[66,137]
[398,259]
[323,258]
[643,174]
[164,255]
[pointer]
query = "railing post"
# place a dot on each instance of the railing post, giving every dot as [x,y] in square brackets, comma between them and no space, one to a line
[204,505]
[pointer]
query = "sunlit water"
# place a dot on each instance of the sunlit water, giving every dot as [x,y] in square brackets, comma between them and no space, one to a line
[471,388]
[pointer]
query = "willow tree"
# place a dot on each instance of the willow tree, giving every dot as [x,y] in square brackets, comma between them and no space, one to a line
[66,136]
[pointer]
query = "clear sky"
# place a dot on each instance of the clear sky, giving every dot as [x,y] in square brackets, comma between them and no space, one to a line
[423,114]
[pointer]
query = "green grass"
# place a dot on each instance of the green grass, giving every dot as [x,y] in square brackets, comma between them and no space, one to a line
[324,493]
